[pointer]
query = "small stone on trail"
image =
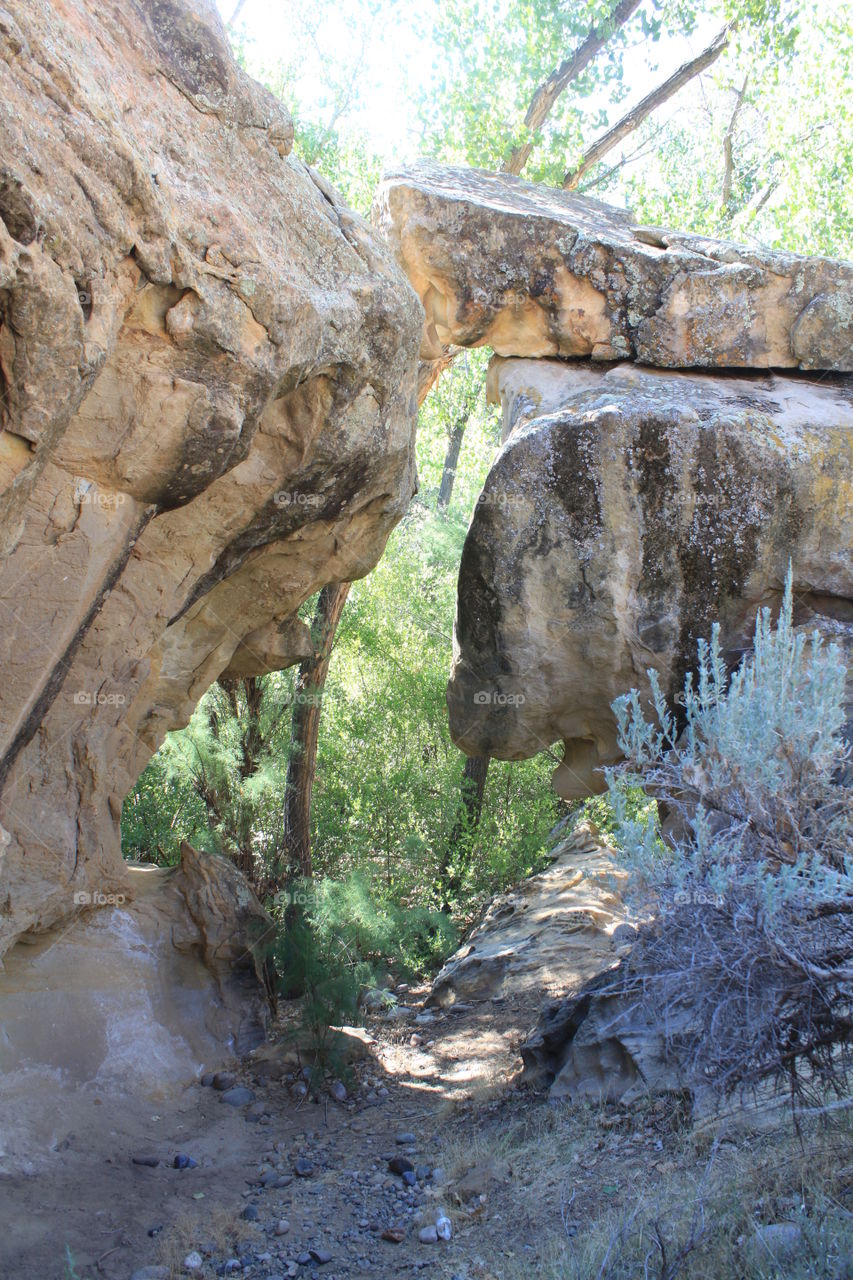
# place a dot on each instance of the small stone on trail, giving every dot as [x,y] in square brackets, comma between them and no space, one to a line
[302,1168]
[428,1235]
[250,1213]
[282,1227]
[409,1178]
[223,1080]
[184,1162]
[405,1139]
[149,1161]
[400,1165]
[338,1091]
[443,1228]
[193,1261]
[321,1256]
[207,1079]
[239,1096]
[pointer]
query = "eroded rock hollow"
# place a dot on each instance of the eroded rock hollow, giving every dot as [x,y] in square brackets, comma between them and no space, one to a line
[678,427]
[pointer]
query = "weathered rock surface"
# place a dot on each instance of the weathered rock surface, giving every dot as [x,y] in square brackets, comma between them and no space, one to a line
[554,931]
[207,379]
[134,996]
[532,271]
[626,512]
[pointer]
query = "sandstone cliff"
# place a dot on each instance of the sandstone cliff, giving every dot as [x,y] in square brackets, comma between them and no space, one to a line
[207,368]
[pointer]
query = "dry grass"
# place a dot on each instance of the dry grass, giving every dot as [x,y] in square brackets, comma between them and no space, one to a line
[594,1207]
[222,1227]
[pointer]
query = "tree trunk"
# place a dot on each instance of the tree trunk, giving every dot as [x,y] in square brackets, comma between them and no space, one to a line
[650,103]
[305,729]
[728,150]
[542,102]
[471,792]
[451,458]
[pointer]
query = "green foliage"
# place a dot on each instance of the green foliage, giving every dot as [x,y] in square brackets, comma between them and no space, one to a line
[335,939]
[792,173]
[752,771]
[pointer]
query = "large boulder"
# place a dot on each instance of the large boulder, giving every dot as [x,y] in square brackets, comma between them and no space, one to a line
[628,510]
[555,930]
[532,271]
[207,384]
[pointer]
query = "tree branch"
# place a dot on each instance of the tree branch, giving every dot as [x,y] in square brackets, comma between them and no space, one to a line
[650,103]
[235,15]
[542,102]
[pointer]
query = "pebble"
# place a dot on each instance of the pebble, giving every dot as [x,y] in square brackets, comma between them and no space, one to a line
[184,1162]
[400,1165]
[239,1096]
[409,1178]
[250,1213]
[193,1261]
[428,1235]
[282,1227]
[405,1139]
[149,1161]
[207,1079]
[321,1256]
[443,1229]
[338,1091]
[223,1080]
[302,1168]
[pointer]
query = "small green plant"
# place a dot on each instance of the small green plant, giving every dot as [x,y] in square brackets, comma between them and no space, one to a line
[335,940]
[71,1272]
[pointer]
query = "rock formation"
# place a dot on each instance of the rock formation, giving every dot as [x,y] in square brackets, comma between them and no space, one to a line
[630,506]
[207,379]
[557,930]
[531,271]
[134,998]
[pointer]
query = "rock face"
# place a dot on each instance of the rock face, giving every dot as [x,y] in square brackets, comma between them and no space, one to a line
[627,510]
[207,379]
[532,271]
[555,930]
[133,997]
[630,507]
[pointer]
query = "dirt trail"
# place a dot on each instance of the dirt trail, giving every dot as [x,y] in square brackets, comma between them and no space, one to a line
[428,1073]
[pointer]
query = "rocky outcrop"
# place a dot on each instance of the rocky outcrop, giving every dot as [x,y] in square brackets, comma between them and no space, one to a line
[133,996]
[627,511]
[207,375]
[531,271]
[630,507]
[557,929]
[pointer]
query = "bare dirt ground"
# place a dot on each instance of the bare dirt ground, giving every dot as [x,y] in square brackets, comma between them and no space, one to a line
[529,1190]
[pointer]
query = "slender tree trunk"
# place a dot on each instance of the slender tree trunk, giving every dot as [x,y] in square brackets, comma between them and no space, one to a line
[471,792]
[650,103]
[728,150]
[451,458]
[542,102]
[305,729]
